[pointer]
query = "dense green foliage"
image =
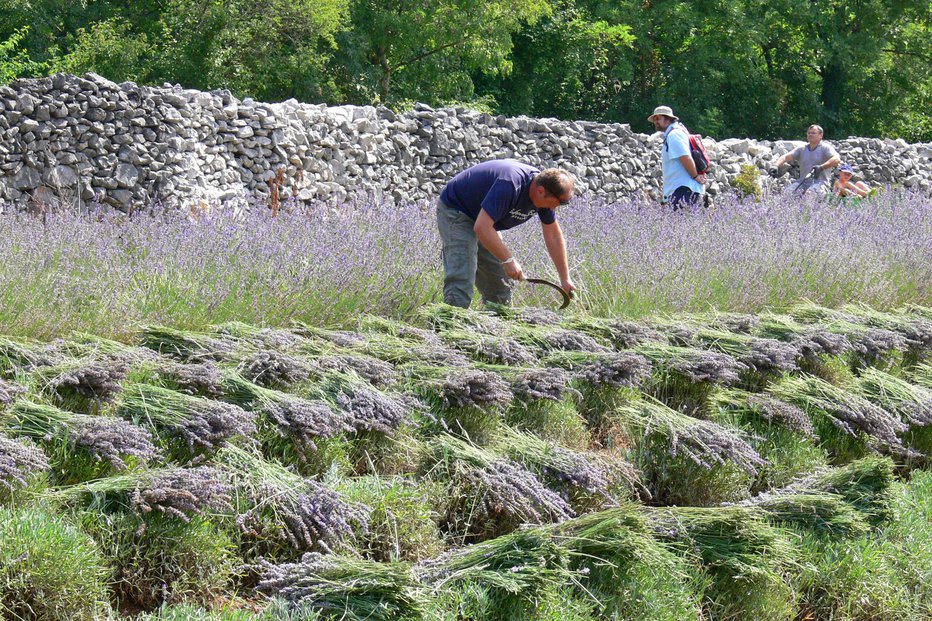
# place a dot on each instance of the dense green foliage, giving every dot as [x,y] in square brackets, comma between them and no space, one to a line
[731,67]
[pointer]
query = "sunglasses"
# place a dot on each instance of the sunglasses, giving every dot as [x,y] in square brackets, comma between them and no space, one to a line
[562,202]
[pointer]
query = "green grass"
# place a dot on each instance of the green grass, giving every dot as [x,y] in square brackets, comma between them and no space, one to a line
[49,569]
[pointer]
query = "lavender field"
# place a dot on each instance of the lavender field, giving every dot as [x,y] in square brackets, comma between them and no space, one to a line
[109,273]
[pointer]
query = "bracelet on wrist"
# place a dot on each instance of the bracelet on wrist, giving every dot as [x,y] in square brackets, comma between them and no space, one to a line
[508,260]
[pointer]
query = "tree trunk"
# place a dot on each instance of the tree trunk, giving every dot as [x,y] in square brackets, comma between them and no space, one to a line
[833,85]
[386,77]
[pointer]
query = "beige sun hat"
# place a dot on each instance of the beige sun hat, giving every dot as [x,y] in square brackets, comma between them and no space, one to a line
[663,111]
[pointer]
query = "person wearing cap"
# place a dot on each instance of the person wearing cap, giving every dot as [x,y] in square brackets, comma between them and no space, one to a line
[847,186]
[681,182]
[817,155]
[487,198]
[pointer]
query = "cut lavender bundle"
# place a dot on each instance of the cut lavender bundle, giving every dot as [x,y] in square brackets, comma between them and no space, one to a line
[200,423]
[374,325]
[294,512]
[621,369]
[273,369]
[460,388]
[186,345]
[112,439]
[526,315]
[92,378]
[693,365]
[546,383]
[317,517]
[766,408]
[83,344]
[703,442]
[574,473]
[913,404]
[367,408]
[916,330]
[102,438]
[24,356]
[347,588]
[287,416]
[398,351]
[443,317]
[183,492]
[490,349]
[548,339]
[621,334]
[843,411]
[194,378]
[263,338]
[759,355]
[735,322]
[781,433]
[9,391]
[20,461]
[377,372]
[490,493]
[871,341]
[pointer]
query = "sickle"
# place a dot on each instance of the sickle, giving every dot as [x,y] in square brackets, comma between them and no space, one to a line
[541,281]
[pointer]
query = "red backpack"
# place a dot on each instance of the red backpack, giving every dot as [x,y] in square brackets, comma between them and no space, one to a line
[697,151]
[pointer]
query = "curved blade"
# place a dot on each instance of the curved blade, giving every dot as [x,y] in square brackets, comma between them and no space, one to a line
[541,281]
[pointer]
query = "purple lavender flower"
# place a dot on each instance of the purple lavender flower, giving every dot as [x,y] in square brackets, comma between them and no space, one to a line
[19,461]
[112,439]
[274,369]
[185,491]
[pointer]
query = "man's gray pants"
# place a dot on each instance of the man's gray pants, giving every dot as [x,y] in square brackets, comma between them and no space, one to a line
[466,262]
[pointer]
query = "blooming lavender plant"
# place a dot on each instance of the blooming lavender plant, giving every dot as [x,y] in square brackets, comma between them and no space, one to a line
[325,268]
[183,492]
[20,460]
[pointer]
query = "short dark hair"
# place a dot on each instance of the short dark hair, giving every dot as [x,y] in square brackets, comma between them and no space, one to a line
[556,181]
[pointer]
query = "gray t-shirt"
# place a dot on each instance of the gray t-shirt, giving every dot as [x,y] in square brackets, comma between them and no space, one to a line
[816,157]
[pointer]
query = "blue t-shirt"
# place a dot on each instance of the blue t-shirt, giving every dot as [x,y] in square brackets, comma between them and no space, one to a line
[676,145]
[501,188]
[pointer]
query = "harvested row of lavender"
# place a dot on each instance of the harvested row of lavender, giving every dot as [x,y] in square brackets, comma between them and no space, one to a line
[109,274]
[470,464]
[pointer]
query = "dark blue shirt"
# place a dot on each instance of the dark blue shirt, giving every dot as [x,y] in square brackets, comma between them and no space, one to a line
[501,188]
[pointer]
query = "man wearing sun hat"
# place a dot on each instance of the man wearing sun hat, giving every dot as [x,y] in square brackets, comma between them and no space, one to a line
[681,185]
[847,186]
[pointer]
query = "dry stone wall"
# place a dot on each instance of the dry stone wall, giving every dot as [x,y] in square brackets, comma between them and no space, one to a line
[86,139]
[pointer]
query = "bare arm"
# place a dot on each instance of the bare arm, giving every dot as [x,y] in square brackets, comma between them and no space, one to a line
[556,248]
[786,157]
[492,241]
[690,165]
[832,163]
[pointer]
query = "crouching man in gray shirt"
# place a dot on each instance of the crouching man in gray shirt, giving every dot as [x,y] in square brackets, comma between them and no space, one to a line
[817,155]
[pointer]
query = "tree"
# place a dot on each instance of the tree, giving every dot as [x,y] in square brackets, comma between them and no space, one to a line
[426,49]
